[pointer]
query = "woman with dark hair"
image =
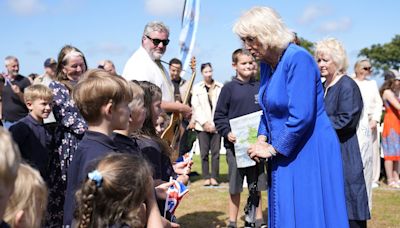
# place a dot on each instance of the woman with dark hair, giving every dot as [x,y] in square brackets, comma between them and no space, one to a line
[391,130]
[204,101]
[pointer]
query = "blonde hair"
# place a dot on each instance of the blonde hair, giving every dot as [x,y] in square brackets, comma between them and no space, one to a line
[97,88]
[358,64]
[335,49]
[137,96]
[264,24]
[125,181]
[29,196]
[37,91]
[10,159]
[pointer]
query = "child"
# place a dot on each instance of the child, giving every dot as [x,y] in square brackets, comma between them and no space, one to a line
[123,138]
[27,204]
[113,194]
[33,139]
[102,100]
[9,164]
[161,123]
[237,98]
[153,148]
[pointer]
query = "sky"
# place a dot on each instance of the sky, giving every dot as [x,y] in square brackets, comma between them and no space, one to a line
[34,30]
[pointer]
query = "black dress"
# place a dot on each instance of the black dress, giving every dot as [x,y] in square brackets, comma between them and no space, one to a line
[343,104]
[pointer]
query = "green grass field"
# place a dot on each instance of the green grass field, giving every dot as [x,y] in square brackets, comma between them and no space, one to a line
[208,207]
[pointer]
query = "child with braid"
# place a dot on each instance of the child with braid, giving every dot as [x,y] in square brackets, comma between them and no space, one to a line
[114,195]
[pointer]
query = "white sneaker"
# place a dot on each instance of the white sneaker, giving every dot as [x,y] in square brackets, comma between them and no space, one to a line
[375,185]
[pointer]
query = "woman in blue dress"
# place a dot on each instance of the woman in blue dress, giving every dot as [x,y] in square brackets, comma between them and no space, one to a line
[344,104]
[304,161]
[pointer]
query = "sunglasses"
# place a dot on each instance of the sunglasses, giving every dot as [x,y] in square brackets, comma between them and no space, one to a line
[156,42]
[367,68]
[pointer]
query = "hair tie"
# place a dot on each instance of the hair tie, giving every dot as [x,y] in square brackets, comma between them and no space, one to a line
[96,177]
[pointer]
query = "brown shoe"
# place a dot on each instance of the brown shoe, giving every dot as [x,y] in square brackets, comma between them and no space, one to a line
[214,182]
[207,182]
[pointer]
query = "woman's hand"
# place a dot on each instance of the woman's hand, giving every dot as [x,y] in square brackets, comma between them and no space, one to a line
[261,150]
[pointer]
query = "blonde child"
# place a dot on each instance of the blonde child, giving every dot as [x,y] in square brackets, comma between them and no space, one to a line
[33,139]
[27,204]
[123,138]
[9,164]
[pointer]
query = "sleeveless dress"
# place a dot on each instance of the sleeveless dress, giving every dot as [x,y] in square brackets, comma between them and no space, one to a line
[391,133]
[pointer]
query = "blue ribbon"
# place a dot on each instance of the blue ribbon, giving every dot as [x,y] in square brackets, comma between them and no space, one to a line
[96,177]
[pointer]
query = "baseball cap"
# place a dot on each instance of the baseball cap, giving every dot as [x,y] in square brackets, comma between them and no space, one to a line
[49,62]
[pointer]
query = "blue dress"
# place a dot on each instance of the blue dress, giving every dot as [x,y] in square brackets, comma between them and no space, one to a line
[306,177]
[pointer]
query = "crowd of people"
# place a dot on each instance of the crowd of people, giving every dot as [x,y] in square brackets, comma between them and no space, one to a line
[84,147]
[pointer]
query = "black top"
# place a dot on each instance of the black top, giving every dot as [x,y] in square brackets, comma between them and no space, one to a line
[34,142]
[237,98]
[93,147]
[126,144]
[162,167]
[4,225]
[13,107]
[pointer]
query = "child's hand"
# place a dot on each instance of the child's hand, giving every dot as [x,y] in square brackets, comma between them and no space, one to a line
[183,178]
[175,225]
[161,190]
[183,167]
[231,137]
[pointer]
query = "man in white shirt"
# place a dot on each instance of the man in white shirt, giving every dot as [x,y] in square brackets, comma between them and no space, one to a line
[145,65]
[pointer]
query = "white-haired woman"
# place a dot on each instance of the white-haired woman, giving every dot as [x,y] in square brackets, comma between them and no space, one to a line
[344,105]
[295,134]
[367,131]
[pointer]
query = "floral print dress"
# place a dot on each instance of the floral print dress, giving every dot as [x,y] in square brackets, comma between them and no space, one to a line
[70,130]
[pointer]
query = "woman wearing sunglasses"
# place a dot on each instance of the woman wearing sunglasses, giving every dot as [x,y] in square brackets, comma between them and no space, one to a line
[367,130]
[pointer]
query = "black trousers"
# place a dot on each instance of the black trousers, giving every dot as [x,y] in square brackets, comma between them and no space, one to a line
[207,142]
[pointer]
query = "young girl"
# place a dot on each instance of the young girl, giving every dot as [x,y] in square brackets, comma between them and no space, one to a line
[27,204]
[153,147]
[114,193]
[391,130]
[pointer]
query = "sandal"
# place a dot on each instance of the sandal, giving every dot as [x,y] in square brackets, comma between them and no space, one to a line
[393,184]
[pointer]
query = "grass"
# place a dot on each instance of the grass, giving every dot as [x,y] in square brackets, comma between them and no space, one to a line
[208,207]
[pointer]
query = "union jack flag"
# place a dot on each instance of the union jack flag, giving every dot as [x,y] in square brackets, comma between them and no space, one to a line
[175,194]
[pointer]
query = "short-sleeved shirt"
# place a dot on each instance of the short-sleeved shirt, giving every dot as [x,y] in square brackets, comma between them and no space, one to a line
[141,67]
[34,142]
[13,107]
[93,147]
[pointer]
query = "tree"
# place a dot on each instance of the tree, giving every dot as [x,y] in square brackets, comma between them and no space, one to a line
[308,45]
[384,56]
